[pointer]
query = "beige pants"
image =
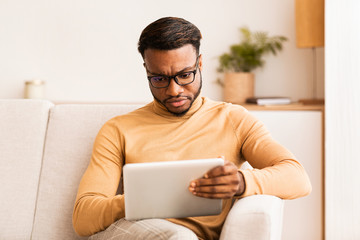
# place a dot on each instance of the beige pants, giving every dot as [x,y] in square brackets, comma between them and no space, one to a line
[148,229]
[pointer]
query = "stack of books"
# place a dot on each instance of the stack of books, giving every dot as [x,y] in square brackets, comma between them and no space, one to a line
[268,100]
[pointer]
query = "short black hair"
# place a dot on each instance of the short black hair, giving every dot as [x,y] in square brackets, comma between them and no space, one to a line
[169,33]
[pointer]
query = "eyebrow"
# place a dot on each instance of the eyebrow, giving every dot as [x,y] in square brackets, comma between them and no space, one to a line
[159,74]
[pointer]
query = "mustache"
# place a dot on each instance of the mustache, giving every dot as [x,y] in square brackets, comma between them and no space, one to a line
[178,97]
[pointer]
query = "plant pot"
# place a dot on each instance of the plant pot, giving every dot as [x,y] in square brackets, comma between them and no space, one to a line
[238,87]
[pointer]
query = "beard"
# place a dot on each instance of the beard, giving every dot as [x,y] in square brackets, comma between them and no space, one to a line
[180,114]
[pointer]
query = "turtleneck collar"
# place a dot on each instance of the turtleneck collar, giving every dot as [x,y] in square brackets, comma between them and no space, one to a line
[162,111]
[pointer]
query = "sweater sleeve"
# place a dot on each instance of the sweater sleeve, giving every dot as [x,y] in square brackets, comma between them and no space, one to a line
[275,171]
[97,206]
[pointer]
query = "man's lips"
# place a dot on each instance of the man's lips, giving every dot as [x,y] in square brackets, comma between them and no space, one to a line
[176,102]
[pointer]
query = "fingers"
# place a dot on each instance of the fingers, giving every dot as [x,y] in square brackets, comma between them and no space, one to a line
[214,191]
[214,195]
[218,187]
[228,169]
[221,180]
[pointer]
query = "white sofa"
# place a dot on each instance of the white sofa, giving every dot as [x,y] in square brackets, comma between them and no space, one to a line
[44,150]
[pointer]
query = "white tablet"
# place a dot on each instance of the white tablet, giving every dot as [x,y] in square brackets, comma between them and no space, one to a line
[160,189]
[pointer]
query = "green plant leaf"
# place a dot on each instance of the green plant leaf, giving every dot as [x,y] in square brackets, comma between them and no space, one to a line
[248,54]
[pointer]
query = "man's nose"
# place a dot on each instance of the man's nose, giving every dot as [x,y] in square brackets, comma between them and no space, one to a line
[174,89]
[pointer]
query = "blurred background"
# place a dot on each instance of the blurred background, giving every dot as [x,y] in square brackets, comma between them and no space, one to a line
[86,50]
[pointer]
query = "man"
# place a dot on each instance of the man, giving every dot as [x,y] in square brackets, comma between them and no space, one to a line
[180,124]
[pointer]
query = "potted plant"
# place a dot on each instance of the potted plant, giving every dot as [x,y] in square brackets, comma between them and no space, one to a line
[243,58]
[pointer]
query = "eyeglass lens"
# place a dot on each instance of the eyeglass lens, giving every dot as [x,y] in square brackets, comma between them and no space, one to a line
[181,79]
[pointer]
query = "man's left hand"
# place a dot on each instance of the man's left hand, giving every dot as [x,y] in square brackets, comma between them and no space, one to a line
[220,182]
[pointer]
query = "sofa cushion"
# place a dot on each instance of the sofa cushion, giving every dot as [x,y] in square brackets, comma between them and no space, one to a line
[23,126]
[254,217]
[71,132]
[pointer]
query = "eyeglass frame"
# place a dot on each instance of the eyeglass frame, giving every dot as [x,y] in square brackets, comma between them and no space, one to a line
[168,78]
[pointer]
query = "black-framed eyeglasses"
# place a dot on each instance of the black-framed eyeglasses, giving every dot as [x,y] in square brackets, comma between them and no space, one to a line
[182,78]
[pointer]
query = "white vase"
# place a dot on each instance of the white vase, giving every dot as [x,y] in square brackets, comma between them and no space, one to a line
[34,89]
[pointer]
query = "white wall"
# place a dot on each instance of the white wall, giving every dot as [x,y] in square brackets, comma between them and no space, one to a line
[86,50]
[342,121]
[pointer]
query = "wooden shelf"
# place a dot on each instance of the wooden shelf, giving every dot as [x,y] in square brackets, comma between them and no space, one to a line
[285,107]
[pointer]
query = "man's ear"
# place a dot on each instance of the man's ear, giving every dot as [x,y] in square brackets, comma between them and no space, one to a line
[200,62]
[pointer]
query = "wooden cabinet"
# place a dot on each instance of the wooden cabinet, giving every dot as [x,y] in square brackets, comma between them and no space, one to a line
[300,129]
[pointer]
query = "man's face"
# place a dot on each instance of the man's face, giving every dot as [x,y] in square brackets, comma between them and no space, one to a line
[176,99]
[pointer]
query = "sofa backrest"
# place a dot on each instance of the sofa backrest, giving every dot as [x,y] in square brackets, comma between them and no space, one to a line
[23,126]
[71,132]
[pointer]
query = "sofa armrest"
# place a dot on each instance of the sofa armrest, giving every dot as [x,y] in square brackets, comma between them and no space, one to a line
[254,217]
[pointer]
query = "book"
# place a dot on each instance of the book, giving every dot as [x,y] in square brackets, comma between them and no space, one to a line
[268,100]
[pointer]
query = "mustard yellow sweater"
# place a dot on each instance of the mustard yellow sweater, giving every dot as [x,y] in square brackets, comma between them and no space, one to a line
[210,129]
